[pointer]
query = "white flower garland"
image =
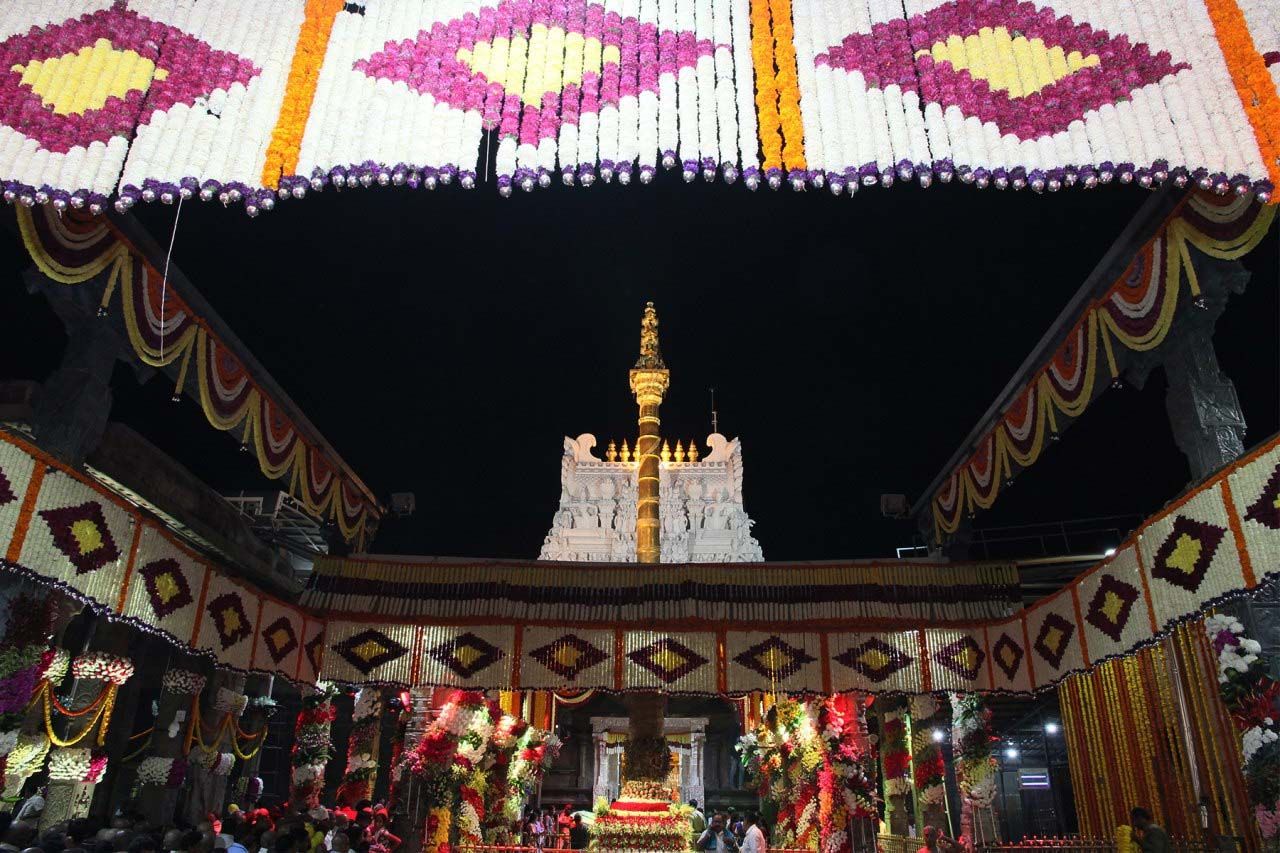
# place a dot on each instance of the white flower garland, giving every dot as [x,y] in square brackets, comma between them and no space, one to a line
[76,764]
[368,703]
[183,682]
[154,770]
[100,666]
[58,666]
[28,755]
[230,702]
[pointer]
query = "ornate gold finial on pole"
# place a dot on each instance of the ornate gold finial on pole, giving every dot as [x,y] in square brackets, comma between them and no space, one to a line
[649,382]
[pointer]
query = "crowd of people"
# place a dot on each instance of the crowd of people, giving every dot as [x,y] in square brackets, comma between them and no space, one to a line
[363,829]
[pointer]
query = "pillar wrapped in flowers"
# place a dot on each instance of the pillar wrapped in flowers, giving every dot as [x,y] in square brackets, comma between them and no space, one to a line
[362,748]
[77,763]
[312,747]
[26,664]
[976,769]
[812,760]
[928,769]
[895,763]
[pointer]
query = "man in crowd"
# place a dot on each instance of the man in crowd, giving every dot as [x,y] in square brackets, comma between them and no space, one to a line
[753,840]
[1151,836]
[717,838]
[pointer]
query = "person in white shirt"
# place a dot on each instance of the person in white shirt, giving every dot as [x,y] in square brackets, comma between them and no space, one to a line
[753,841]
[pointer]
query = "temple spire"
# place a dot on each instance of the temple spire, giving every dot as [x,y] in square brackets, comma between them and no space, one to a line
[649,381]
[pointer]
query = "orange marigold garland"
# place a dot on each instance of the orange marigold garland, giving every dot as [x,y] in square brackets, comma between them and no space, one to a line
[770,122]
[300,91]
[788,88]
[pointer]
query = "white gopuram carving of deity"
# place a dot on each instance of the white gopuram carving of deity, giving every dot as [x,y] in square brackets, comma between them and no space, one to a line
[701,511]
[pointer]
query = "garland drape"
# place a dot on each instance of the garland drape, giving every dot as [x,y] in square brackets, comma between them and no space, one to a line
[1136,313]
[1131,741]
[1220,539]
[254,103]
[73,249]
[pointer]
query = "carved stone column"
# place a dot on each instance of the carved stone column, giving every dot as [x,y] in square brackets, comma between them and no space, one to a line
[697,784]
[897,785]
[927,715]
[207,789]
[71,411]
[256,716]
[601,786]
[159,802]
[362,747]
[1203,407]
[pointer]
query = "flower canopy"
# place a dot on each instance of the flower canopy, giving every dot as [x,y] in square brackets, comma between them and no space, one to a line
[256,102]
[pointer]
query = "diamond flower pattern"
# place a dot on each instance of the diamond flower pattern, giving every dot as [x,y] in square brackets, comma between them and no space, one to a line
[774,658]
[166,586]
[1007,655]
[81,533]
[1266,509]
[312,650]
[669,659]
[6,490]
[875,659]
[1111,606]
[1184,557]
[229,619]
[568,656]
[964,657]
[280,639]
[368,650]
[1054,639]
[135,58]
[962,53]
[466,654]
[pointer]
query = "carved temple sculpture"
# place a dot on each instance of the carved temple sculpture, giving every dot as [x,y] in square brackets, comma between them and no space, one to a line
[701,511]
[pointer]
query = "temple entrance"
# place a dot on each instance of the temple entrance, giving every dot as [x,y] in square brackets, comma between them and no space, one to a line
[701,732]
[686,738]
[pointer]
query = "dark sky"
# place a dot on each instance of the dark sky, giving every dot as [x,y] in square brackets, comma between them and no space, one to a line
[445,343]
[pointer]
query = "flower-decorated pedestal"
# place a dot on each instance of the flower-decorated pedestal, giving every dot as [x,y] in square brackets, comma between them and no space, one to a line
[642,818]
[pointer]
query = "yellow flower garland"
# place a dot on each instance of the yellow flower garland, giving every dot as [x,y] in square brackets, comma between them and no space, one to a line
[770,123]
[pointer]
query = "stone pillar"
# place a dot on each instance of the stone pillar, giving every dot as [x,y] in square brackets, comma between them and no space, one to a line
[1204,410]
[260,710]
[601,786]
[182,682]
[71,411]
[208,789]
[67,800]
[697,786]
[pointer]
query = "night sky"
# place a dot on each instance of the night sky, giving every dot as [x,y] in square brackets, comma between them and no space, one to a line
[445,343]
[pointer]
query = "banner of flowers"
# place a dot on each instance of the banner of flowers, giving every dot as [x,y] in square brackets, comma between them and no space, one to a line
[895,753]
[155,587]
[312,747]
[810,760]
[1134,315]
[362,746]
[165,332]
[1253,699]
[975,768]
[318,93]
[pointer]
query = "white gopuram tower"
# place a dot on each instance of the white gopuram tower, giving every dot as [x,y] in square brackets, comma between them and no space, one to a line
[700,513]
